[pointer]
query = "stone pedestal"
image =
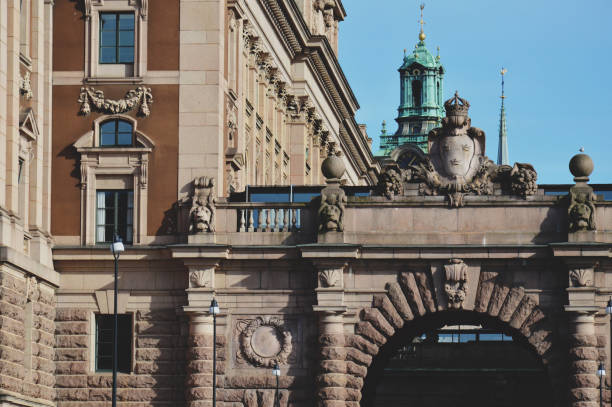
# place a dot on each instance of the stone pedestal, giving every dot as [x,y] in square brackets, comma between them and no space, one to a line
[199,360]
[583,380]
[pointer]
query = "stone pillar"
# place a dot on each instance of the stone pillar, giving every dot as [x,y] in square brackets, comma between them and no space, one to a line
[583,380]
[199,360]
[332,377]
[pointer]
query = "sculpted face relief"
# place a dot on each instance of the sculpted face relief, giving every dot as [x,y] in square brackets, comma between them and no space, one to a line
[457,153]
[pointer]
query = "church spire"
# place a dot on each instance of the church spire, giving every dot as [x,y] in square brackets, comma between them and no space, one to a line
[502,151]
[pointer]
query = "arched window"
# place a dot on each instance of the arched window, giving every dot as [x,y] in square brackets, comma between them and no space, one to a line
[417,90]
[438,97]
[116,132]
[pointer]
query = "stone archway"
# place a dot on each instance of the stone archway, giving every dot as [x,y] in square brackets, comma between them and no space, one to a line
[417,296]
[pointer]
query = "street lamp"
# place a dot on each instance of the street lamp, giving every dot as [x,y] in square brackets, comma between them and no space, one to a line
[214,310]
[276,372]
[116,248]
[601,373]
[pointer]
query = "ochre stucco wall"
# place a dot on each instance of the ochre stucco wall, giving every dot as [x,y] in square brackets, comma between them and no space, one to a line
[161,127]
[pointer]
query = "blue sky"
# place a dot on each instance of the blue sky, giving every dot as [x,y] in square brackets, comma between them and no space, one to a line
[558,54]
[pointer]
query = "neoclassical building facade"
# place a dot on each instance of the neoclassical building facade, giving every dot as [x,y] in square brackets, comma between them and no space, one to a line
[217,139]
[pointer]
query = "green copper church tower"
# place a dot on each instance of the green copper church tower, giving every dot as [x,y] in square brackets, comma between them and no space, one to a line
[421,103]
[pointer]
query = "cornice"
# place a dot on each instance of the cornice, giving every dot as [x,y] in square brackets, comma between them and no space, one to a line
[293,31]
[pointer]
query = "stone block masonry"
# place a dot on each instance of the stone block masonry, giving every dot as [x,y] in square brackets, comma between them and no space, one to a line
[158,361]
[26,338]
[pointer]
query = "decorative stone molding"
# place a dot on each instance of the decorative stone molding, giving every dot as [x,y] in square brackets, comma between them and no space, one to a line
[456,283]
[140,98]
[32,290]
[201,278]
[581,277]
[25,86]
[581,210]
[390,182]
[332,208]
[202,212]
[456,164]
[331,277]
[142,4]
[97,172]
[264,341]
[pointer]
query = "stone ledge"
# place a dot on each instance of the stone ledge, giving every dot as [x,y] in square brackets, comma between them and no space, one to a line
[18,400]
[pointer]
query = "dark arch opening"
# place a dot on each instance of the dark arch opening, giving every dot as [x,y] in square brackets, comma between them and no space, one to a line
[417,93]
[432,322]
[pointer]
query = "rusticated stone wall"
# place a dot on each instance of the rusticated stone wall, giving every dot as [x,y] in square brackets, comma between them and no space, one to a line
[410,300]
[26,337]
[159,361]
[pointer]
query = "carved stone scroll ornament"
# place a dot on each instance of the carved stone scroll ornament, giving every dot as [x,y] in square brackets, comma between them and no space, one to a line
[264,341]
[390,182]
[456,164]
[140,98]
[456,283]
[202,212]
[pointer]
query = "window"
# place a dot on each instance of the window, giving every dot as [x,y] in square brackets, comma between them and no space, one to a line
[116,133]
[417,89]
[116,38]
[114,215]
[104,342]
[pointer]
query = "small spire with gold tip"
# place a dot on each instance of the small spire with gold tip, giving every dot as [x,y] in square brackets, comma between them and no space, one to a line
[438,55]
[422,35]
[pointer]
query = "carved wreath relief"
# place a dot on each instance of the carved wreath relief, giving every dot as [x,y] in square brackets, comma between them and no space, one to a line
[264,341]
[455,284]
[202,212]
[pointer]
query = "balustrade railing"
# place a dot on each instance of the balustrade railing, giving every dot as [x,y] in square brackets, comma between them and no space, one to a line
[270,218]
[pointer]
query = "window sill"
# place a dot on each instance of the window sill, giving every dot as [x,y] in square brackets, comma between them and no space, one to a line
[110,80]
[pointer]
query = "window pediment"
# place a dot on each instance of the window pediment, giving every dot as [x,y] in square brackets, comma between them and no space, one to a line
[27,124]
[90,141]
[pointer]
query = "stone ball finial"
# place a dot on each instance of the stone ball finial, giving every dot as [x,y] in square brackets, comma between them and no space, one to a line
[332,167]
[581,166]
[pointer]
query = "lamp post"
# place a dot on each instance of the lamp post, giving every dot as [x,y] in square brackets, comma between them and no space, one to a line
[214,310]
[601,373]
[116,248]
[276,372]
[601,369]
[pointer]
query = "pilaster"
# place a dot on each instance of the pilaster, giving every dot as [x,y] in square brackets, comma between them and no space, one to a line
[199,379]
[583,353]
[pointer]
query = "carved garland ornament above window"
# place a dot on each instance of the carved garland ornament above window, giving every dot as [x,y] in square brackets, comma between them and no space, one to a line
[264,341]
[140,97]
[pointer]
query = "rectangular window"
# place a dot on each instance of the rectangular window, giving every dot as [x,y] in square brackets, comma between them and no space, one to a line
[114,215]
[104,342]
[116,38]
